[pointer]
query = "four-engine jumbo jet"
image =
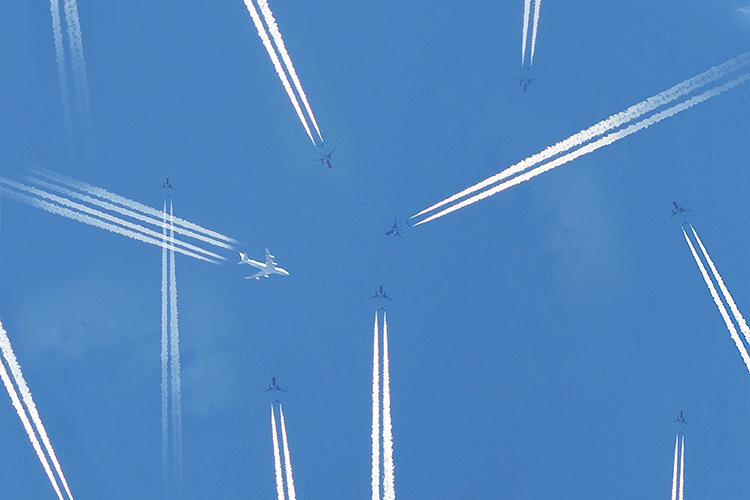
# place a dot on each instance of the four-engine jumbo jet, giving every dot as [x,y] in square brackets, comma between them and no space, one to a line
[273,386]
[525,82]
[266,269]
[326,158]
[677,209]
[380,294]
[167,185]
[681,419]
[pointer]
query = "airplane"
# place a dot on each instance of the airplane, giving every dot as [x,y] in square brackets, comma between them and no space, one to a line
[326,158]
[266,269]
[273,386]
[681,419]
[525,82]
[677,209]
[394,230]
[380,294]
[167,185]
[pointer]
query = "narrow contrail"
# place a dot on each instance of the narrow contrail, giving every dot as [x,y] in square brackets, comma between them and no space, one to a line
[719,304]
[273,28]
[682,469]
[674,470]
[23,389]
[92,221]
[62,75]
[389,491]
[375,413]
[126,202]
[277,64]
[29,430]
[633,112]
[287,458]
[78,62]
[537,5]
[724,290]
[277,458]
[164,356]
[593,146]
[174,369]
[524,38]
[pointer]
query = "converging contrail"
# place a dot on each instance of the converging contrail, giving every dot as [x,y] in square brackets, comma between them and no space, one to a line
[719,304]
[164,355]
[23,389]
[674,471]
[273,28]
[389,491]
[174,356]
[633,112]
[537,5]
[277,64]
[682,470]
[277,458]
[287,458]
[593,146]
[375,413]
[62,75]
[525,36]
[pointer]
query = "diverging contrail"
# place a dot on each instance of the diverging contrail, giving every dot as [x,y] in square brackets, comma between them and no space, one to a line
[615,121]
[174,356]
[78,62]
[525,36]
[277,458]
[593,146]
[277,64]
[273,28]
[389,491]
[164,355]
[719,304]
[375,413]
[674,470]
[62,75]
[287,458]
[23,389]
[682,470]
[537,5]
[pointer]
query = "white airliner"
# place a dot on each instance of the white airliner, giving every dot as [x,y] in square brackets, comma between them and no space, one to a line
[265,269]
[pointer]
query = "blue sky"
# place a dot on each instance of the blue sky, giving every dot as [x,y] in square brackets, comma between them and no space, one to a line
[542,341]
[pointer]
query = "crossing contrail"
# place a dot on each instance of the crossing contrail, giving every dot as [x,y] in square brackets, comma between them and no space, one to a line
[287,458]
[277,64]
[164,355]
[719,304]
[277,458]
[174,356]
[674,471]
[389,491]
[593,146]
[23,389]
[633,112]
[62,75]
[537,5]
[682,469]
[524,38]
[375,413]
[273,28]
[78,62]
[724,290]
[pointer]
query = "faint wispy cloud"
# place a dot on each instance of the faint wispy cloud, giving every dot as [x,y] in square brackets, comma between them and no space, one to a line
[744,10]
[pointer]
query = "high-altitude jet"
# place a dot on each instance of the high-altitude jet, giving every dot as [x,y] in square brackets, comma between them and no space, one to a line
[677,209]
[395,230]
[167,185]
[681,419]
[525,82]
[380,294]
[273,386]
[326,158]
[266,269]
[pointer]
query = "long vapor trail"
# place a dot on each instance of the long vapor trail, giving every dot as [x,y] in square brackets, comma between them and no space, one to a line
[78,62]
[273,28]
[287,458]
[277,458]
[174,355]
[617,120]
[674,470]
[724,290]
[593,146]
[277,64]
[62,75]
[23,388]
[389,491]
[537,5]
[375,413]
[525,36]
[719,304]
[682,470]
[164,355]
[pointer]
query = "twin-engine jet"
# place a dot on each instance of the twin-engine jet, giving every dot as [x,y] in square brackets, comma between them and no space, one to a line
[677,209]
[681,419]
[167,185]
[380,294]
[326,158]
[525,82]
[273,386]
[395,230]
[266,269]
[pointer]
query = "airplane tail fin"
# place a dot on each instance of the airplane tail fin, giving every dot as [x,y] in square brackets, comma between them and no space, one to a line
[243,258]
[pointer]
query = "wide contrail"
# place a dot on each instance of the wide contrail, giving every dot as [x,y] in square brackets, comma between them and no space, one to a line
[724,290]
[287,458]
[277,458]
[23,389]
[128,203]
[593,146]
[277,64]
[29,430]
[617,120]
[62,75]
[78,62]
[525,36]
[674,470]
[682,470]
[273,28]
[537,5]
[719,304]
[389,490]
[375,413]
[164,354]
[174,355]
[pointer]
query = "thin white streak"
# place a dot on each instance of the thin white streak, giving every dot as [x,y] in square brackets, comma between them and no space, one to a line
[525,36]
[674,470]
[682,469]
[164,355]
[375,413]
[389,491]
[78,62]
[62,76]
[277,458]
[537,5]
[287,458]
[174,355]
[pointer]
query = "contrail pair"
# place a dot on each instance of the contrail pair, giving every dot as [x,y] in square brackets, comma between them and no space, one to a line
[273,28]
[594,137]
[678,488]
[277,457]
[717,299]
[98,207]
[535,25]
[29,415]
[389,490]
[171,382]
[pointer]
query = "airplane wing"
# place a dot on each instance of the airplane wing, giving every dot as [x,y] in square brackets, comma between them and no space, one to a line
[280,389]
[257,275]
[270,388]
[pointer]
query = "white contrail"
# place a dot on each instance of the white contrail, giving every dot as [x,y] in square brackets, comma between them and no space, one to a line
[174,368]
[375,413]
[633,112]
[29,430]
[164,355]
[537,5]
[724,290]
[277,64]
[125,202]
[389,491]
[682,469]
[273,28]
[62,76]
[78,62]
[593,146]
[277,458]
[287,458]
[674,470]
[92,221]
[23,388]
[524,38]
[719,304]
